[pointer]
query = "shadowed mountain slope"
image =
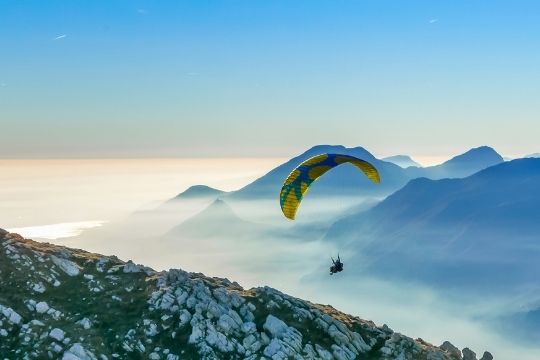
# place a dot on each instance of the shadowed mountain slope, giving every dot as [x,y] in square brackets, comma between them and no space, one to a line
[481,230]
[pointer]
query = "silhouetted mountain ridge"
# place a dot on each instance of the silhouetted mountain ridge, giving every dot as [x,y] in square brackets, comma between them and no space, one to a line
[403,161]
[347,180]
[460,166]
[199,191]
[344,177]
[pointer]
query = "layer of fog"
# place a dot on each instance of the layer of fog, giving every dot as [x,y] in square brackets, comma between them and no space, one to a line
[43,192]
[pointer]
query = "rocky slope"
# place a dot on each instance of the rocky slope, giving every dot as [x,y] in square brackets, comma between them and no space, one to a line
[61,303]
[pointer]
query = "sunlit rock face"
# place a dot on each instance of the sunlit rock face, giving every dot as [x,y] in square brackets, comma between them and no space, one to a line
[61,303]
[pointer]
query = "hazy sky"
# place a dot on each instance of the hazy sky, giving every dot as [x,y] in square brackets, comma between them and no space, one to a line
[43,192]
[267,78]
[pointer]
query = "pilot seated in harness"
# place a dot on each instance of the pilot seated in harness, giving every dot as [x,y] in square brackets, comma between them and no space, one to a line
[337,267]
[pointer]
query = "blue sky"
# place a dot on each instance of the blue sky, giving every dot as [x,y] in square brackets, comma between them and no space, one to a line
[267,78]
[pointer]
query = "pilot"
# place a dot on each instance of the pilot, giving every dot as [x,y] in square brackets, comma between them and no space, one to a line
[337,266]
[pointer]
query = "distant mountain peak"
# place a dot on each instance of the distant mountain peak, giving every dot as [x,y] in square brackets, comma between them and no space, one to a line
[218,206]
[403,161]
[322,146]
[481,154]
[338,149]
[217,220]
[199,191]
[460,166]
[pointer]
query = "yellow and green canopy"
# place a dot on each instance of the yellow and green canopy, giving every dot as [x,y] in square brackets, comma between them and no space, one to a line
[299,180]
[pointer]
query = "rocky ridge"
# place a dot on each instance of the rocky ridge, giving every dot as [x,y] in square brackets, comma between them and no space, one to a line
[61,303]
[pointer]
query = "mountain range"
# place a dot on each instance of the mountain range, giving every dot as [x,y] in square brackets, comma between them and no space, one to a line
[350,182]
[344,182]
[355,190]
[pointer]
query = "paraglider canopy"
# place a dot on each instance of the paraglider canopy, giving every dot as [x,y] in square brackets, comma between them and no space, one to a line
[300,179]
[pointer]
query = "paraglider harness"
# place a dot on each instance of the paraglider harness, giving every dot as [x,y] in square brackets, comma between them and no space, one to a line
[337,267]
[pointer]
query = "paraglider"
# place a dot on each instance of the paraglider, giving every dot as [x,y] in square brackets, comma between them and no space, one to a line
[299,180]
[337,266]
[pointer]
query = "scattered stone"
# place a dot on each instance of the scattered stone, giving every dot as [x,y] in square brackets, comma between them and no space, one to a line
[42,307]
[67,266]
[468,354]
[451,349]
[487,356]
[10,314]
[57,334]
[130,267]
[85,323]
[274,326]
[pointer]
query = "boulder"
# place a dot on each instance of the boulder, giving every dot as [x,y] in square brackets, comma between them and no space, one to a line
[468,354]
